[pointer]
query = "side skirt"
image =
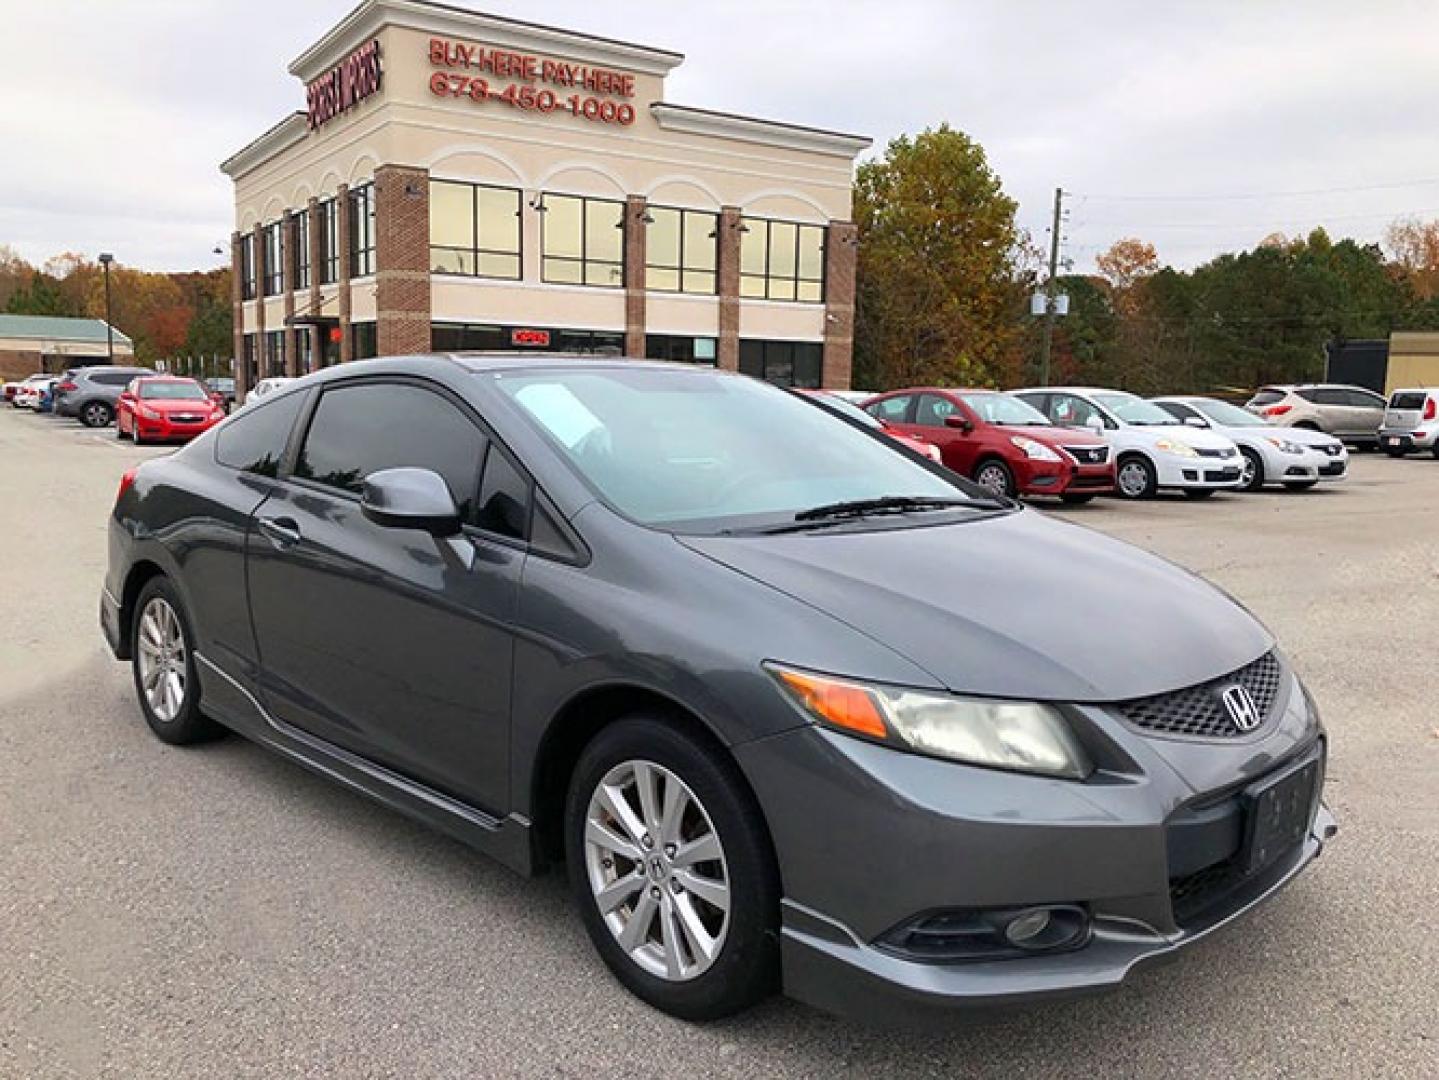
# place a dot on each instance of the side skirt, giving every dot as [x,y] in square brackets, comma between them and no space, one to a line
[506,839]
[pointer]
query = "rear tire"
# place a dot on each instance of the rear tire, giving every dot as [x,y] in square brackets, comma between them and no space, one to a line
[1435,451]
[96,414]
[164,667]
[1136,478]
[660,963]
[995,476]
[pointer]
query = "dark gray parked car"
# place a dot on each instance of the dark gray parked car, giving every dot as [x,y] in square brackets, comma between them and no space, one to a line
[794,706]
[90,393]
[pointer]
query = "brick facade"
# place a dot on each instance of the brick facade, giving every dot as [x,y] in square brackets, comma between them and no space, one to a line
[342,212]
[841,249]
[237,305]
[287,287]
[257,242]
[727,266]
[317,344]
[402,260]
[636,237]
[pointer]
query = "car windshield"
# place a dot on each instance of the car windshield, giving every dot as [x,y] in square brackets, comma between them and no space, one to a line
[703,451]
[839,405]
[1135,410]
[1227,415]
[995,408]
[172,391]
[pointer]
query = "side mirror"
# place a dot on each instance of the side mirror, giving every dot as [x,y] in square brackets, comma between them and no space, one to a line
[954,420]
[1196,421]
[408,498]
[1095,423]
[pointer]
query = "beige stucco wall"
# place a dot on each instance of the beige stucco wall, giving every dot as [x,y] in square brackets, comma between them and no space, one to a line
[1413,361]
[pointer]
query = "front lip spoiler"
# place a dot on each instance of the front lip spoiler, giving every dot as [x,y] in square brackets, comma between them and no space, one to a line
[826,966]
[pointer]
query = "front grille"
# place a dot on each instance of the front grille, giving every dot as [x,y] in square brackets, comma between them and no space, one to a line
[1225,453]
[1191,894]
[185,418]
[1334,468]
[1088,455]
[1218,476]
[1198,712]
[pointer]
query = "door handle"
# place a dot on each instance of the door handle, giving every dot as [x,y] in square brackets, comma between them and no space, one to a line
[282,531]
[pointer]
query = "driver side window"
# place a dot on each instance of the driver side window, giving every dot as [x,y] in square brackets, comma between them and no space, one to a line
[933,410]
[891,410]
[1070,411]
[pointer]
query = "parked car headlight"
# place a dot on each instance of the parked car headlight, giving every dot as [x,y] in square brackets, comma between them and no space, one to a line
[1034,450]
[1177,448]
[1284,445]
[1016,735]
[147,413]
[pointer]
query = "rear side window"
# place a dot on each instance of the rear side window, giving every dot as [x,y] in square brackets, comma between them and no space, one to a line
[360,429]
[1364,399]
[1267,397]
[254,440]
[1328,395]
[1404,400]
[112,378]
[892,410]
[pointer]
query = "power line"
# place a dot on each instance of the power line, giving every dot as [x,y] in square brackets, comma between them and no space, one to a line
[1316,220]
[1242,195]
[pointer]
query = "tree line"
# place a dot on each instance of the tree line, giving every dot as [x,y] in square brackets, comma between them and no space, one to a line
[945,276]
[166,315]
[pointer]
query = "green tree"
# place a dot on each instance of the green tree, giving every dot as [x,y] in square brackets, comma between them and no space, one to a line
[940,287]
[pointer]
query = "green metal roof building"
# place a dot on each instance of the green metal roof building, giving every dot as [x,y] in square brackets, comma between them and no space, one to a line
[32,343]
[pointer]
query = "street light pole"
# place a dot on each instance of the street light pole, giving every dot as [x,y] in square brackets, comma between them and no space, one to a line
[105,260]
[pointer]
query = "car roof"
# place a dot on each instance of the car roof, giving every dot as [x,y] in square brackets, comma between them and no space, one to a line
[509,361]
[1072,390]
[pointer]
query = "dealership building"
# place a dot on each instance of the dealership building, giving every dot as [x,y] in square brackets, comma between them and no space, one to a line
[464,181]
[31,344]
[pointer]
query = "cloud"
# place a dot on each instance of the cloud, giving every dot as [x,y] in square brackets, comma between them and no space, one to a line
[119,113]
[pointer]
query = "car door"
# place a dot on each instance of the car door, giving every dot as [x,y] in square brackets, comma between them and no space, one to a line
[1365,411]
[958,446]
[390,643]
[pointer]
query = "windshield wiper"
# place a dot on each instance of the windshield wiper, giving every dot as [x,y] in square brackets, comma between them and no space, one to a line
[893,504]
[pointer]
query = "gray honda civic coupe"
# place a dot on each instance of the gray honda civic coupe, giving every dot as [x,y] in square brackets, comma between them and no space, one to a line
[794,707]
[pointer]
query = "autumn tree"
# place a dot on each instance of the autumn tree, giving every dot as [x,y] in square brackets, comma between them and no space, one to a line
[939,287]
[1414,246]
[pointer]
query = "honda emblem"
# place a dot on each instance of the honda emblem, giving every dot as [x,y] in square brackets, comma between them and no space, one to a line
[1239,704]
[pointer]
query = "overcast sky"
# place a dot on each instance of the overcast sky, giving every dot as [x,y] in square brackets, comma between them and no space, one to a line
[1201,127]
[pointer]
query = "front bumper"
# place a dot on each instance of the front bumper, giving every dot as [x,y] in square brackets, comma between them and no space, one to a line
[1152,848]
[826,966]
[1199,472]
[171,430]
[1061,478]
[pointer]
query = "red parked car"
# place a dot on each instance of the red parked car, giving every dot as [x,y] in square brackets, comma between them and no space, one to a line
[155,407]
[848,409]
[1001,442]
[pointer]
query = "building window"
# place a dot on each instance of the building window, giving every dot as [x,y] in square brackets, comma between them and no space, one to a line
[300,257]
[247,358]
[274,353]
[583,241]
[681,349]
[272,273]
[366,344]
[304,350]
[247,266]
[680,250]
[490,337]
[362,230]
[474,230]
[785,363]
[329,242]
[781,260]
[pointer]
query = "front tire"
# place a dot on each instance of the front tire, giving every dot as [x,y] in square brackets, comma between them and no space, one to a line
[164,667]
[1136,478]
[995,477]
[1253,475]
[671,867]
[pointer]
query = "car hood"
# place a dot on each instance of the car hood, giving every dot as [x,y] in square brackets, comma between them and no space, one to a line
[1018,606]
[1195,437]
[1302,436]
[1051,435]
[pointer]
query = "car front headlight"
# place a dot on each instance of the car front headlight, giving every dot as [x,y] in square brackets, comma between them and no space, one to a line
[1020,736]
[1034,450]
[1177,448]
[1284,445]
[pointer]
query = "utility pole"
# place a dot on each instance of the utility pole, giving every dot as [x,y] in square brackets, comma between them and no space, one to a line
[105,260]
[1050,287]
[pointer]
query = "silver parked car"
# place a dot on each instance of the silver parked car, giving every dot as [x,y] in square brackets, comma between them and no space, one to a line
[1411,422]
[1350,412]
[91,394]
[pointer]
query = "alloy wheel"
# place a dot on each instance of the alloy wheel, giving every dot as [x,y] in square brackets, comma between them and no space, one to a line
[1250,469]
[160,644]
[657,871]
[993,478]
[1133,479]
[96,415]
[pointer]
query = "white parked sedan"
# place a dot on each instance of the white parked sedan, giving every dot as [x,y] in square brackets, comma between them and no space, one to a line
[1297,458]
[267,386]
[1152,450]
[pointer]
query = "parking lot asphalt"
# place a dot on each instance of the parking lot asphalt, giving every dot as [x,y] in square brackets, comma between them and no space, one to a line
[217,911]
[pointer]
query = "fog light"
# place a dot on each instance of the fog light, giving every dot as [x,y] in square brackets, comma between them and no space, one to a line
[1026,926]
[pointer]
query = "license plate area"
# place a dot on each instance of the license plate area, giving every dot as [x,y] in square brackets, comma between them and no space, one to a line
[1279,809]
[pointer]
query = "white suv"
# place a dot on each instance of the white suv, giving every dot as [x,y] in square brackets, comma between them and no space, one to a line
[1152,450]
[1411,422]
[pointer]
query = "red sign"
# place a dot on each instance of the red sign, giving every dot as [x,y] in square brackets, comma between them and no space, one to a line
[532,338]
[470,68]
[345,85]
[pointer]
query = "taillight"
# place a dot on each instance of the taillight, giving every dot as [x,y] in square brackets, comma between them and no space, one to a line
[1429,408]
[127,481]
[66,387]
[1277,410]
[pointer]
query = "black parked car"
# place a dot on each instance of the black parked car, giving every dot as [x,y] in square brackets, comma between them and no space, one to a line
[792,707]
[224,390]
